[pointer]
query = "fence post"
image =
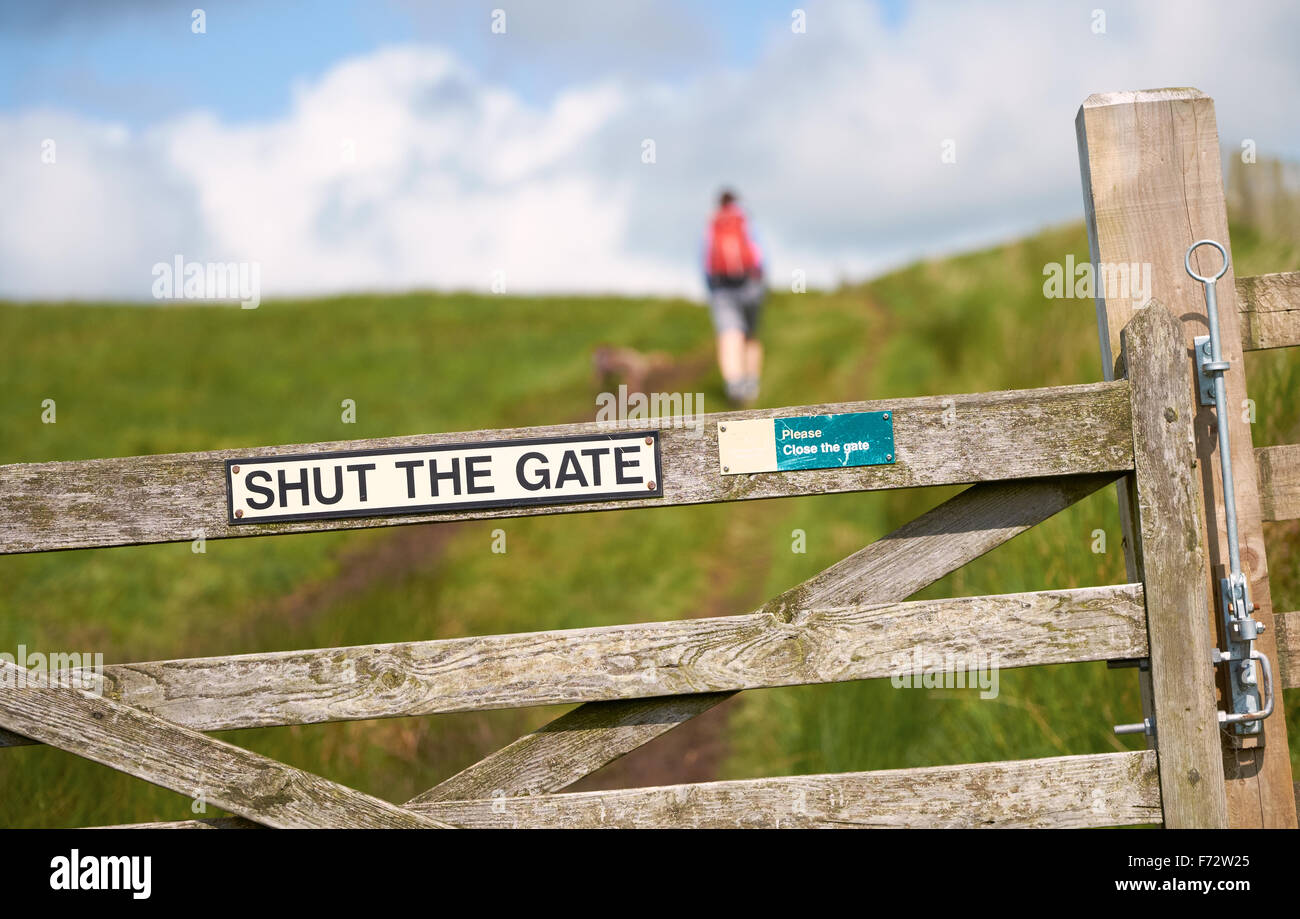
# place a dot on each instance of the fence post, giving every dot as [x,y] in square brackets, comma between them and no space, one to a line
[1152,185]
[1170,546]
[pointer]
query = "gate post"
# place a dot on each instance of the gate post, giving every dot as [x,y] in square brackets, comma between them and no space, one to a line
[1152,185]
[1169,548]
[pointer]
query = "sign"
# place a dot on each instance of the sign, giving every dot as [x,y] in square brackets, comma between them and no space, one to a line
[413,480]
[806,442]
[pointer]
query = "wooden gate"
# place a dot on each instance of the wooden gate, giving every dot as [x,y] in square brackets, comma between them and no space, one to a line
[1024,454]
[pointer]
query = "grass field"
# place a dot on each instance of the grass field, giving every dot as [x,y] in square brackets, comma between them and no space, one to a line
[143,379]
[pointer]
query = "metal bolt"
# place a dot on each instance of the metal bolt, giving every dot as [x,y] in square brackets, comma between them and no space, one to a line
[722,427]
[889,456]
[650,486]
[886,416]
[649,440]
[234,468]
[239,513]
[726,468]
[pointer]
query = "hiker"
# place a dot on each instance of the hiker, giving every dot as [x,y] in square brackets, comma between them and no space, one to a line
[733,270]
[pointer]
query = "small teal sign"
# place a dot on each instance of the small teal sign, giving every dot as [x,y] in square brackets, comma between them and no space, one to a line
[829,441]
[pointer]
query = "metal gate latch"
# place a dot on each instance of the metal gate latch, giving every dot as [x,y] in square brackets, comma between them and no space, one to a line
[1240,628]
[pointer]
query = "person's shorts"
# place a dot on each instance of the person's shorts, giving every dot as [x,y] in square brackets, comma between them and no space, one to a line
[736,309]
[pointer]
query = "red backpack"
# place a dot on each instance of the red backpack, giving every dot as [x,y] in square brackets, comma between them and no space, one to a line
[732,254]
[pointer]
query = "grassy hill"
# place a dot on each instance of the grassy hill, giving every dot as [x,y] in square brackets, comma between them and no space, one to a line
[130,380]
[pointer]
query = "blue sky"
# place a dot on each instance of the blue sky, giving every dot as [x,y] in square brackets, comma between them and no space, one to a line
[137,62]
[395,145]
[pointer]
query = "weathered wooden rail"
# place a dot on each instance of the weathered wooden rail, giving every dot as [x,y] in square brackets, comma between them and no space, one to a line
[1064,430]
[1110,789]
[1025,456]
[1279,481]
[795,646]
[1270,310]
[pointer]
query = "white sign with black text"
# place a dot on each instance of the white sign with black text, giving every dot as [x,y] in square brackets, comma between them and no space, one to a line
[410,480]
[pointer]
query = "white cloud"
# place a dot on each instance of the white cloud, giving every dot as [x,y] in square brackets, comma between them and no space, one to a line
[404,168]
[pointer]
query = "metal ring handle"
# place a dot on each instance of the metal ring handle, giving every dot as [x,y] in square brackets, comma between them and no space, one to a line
[1187,260]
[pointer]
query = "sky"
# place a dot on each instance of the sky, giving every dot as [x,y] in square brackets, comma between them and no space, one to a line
[391,145]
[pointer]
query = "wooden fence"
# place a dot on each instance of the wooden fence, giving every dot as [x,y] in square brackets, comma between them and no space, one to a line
[1025,455]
